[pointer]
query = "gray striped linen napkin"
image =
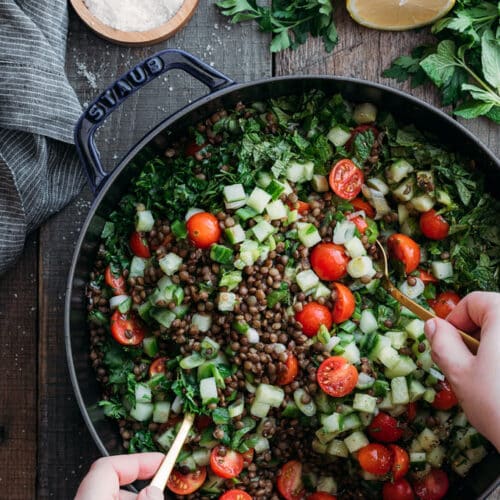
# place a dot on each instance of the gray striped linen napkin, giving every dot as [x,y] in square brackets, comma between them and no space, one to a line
[39,168]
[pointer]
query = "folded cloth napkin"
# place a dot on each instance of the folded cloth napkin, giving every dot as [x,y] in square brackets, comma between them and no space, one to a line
[39,170]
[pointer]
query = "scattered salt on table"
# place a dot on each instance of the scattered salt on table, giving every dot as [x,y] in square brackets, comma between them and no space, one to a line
[133,15]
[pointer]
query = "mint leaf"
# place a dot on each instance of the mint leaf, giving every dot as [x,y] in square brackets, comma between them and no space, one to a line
[490,59]
[480,94]
[494,114]
[441,66]
[473,109]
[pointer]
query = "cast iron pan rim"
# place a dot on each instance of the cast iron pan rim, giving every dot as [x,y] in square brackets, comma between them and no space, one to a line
[167,122]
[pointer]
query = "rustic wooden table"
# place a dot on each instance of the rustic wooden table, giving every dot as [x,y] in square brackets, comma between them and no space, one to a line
[45,448]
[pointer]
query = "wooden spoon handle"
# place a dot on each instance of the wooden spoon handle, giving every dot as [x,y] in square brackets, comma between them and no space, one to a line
[422,313]
[163,473]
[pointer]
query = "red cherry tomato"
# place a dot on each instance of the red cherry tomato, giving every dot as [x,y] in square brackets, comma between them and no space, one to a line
[157,366]
[433,486]
[126,329]
[360,204]
[385,428]
[329,261]
[444,303]
[185,484]
[301,206]
[375,458]
[360,223]
[400,461]
[321,495]
[248,457]
[346,179]
[398,490]
[411,412]
[292,369]
[235,495]
[427,277]
[289,481]
[337,377]
[312,316]
[139,245]
[344,305]
[228,465]
[358,130]
[192,148]
[203,229]
[445,398]
[115,282]
[433,225]
[404,249]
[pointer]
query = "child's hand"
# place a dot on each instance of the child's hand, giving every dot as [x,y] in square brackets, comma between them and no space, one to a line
[474,378]
[106,475]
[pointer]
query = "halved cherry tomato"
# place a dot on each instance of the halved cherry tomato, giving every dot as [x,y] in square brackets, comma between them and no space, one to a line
[385,428]
[346,179]
[203,229]
[235,495]
[192,148]
[375,458]
[433,225]
[404,249]
[411,412]
[445,398]
[444,303]
[400,461]
[185,484]
[139,246]
[360,204]
[115,282]
[321,495]
[398,490]
[292,369]
[301,206]
[126,329]
[157,366]
[312,316]
[358,130]
[248,457]
[337,377]
[289,481]
[344,305]
[427,277]
[433,486]
[202,422]
[360,223]
[329,261]
[226,465]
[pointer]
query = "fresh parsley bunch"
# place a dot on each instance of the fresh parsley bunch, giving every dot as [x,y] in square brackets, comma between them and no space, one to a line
[464,64]
[290,21]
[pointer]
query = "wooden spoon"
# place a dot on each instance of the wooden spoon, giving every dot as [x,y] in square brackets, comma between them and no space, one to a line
[415,308]
[160,479]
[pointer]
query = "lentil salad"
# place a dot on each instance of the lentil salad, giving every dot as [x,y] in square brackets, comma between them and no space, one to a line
[251,323]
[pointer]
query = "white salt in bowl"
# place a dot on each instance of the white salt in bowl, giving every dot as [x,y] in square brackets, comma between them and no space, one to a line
[136,38]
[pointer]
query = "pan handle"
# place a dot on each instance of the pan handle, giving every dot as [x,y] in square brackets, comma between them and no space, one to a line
[125,86]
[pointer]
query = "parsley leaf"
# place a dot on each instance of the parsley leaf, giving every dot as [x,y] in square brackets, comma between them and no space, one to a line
[142,441]
[113,408]
[281,296]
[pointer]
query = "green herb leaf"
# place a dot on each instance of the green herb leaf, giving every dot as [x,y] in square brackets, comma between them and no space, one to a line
[490,58]
[142,441]
[282,296]
[220,416]
[441,65]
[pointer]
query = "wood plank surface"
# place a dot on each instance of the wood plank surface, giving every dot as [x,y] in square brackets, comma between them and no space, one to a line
[65,448]
[18,377]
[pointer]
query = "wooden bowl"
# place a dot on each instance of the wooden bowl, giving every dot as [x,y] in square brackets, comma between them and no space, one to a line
[136,38]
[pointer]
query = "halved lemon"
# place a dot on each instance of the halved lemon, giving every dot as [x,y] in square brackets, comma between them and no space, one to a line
[397,15]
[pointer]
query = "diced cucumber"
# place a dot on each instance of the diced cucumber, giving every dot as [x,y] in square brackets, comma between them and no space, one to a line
[270,395]
[234,192]
[427,439]
[386,403]
[443,416]
[332,423]
[354,247]
[259,409]
[337,448]
[389,357]
[293,216]
[417,390]
[322,291]
[144,221]
[318,446]
[192,361]
[475,455]
[320,183]
[365,381]
[142,412]
[356,441]
[403,213]
[418,460]
[170,264]
[429,395]
[405,191]
[379,343]
[398,171]
[443,197]
[365,418]
[364,402]
[327,484]
[117,300]
[422,203]
[166,439]
[325,437]
[202,321]
[263,230]
[235,204]
[308,409]
[163,316]
[150,346]
[405,366]
[308,171]
[460,419]
[161,412]
[221,254]
[361,266]
[415,329]
[264,179]
[343,231]
[277,210]
[209,348]
[137,266]
[399,391]
[365,112]
[378,184]
[245,213]
[397,338]
[258,200]
[351,353]
[208,391]
[143,393]
[236,409]
[187,461]
[295,172]
[368,322]
[350,422]
[192,211]
[461,465]
[201,456]
[307,280]
[235,234]
[442,270]
[465,440]
[308,235]
[226,301]
[338,136]
[412,291]
[275,189]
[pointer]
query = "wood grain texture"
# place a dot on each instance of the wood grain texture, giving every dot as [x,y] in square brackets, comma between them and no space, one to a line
[18,397]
